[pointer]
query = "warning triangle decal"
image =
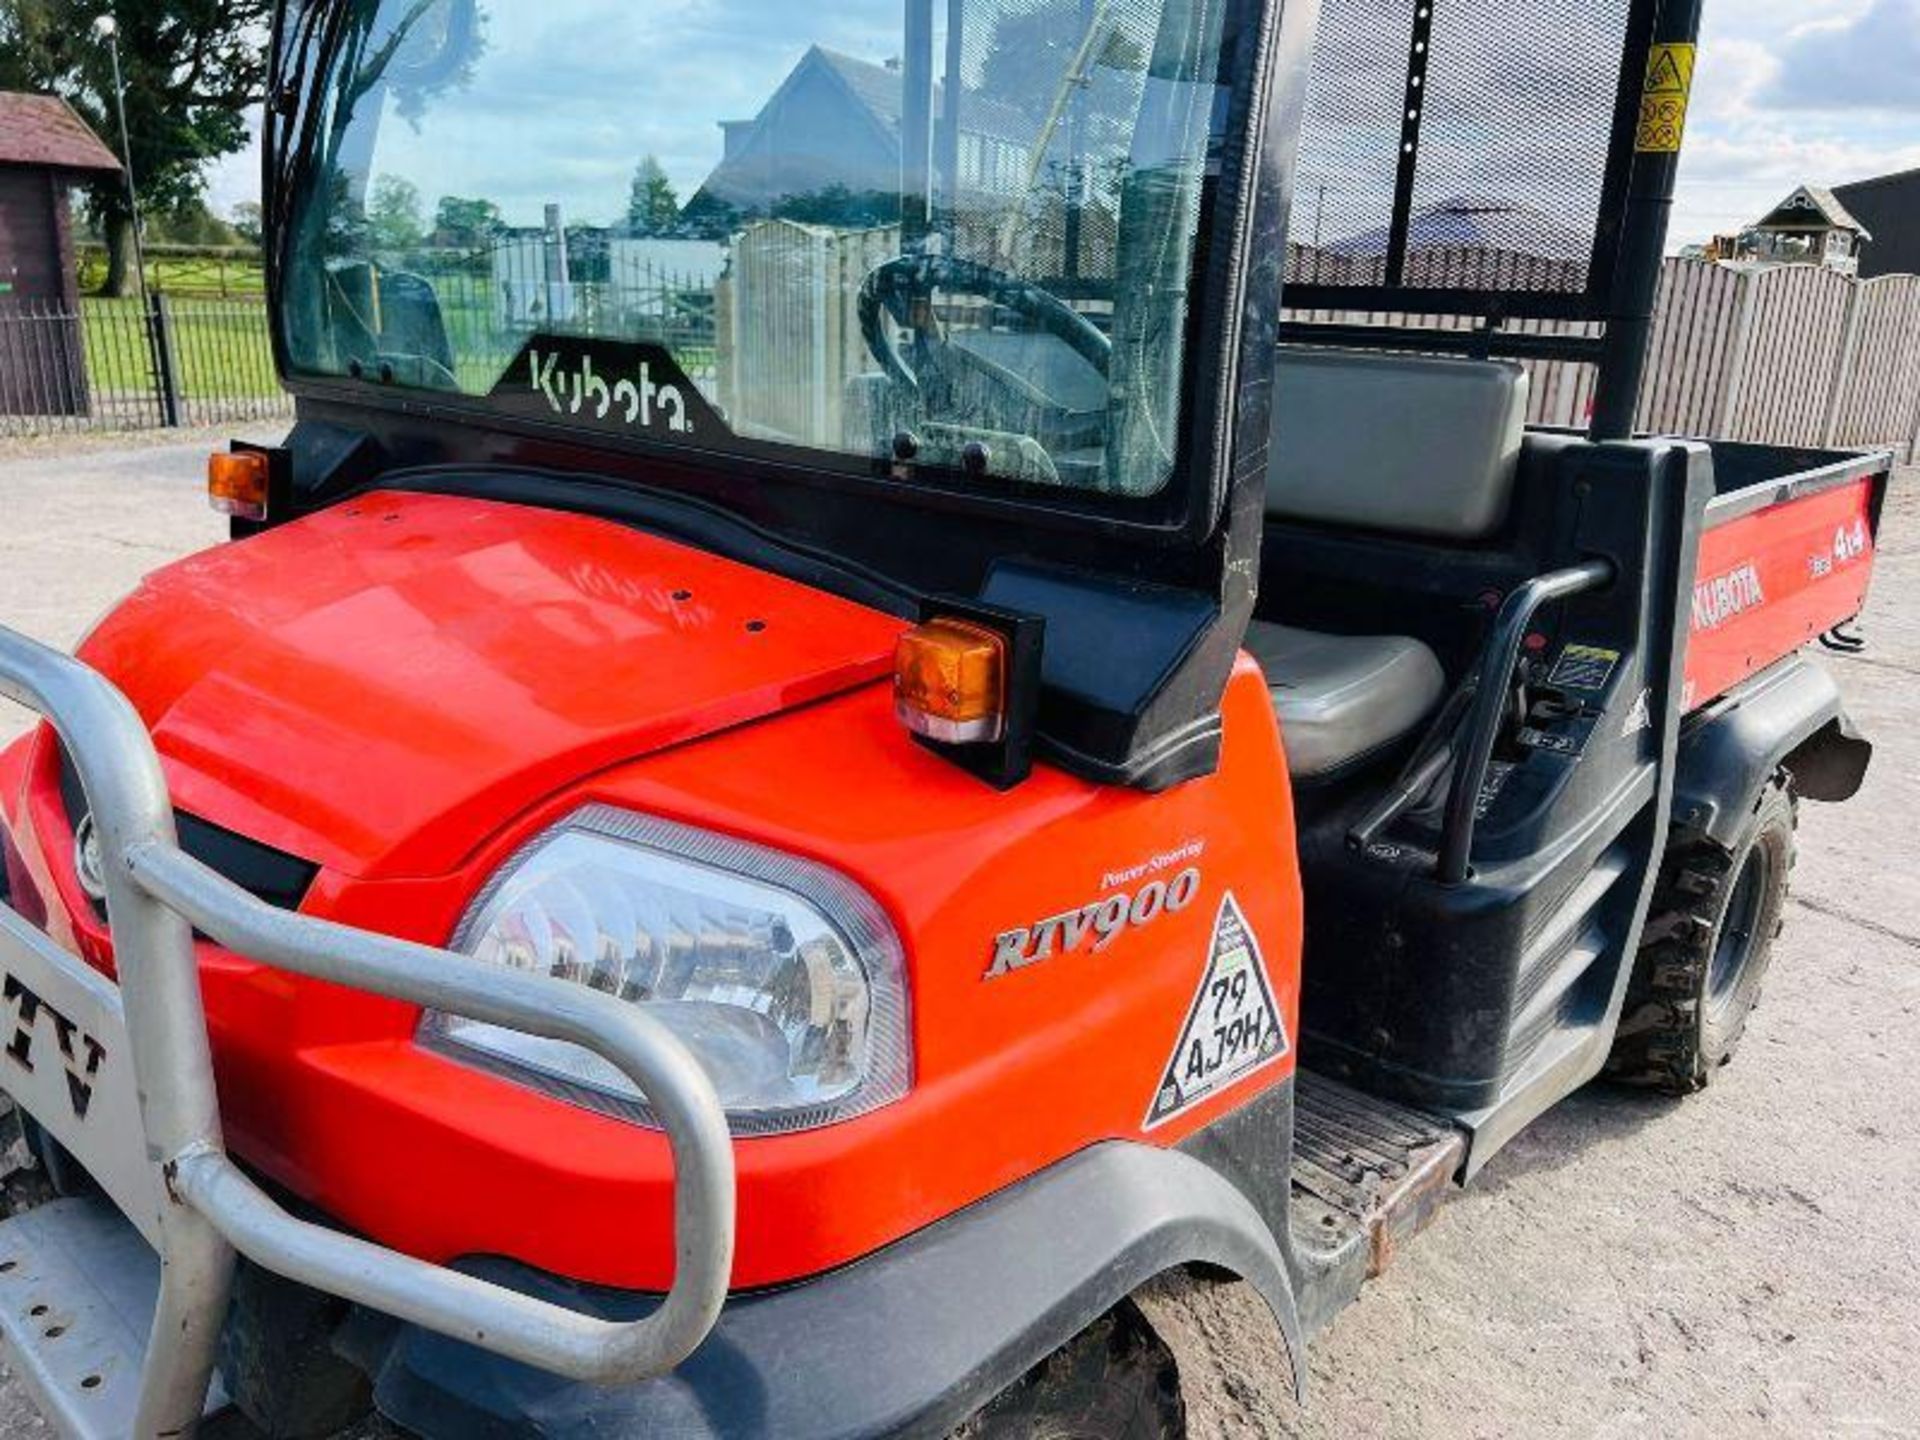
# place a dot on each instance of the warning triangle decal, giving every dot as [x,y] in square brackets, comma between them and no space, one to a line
[1664,76]
[1233,1027]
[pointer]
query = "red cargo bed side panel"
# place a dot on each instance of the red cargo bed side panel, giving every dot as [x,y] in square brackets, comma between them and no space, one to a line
[1772,580]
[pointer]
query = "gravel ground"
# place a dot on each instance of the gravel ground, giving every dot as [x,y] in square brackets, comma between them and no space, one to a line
[1744,1263]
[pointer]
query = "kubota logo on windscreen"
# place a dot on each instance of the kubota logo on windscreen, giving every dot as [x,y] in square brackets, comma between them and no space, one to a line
[570,390]
[1718,600]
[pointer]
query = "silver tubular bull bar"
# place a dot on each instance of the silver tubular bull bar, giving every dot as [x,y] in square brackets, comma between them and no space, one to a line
[149,1126]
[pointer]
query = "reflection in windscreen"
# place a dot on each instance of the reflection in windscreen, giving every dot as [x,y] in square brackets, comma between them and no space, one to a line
[965,243]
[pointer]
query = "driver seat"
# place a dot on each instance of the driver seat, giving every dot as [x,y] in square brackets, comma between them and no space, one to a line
[1341,699]
[1414,447]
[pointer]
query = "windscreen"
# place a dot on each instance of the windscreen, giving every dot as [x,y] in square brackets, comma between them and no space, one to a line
[948,233]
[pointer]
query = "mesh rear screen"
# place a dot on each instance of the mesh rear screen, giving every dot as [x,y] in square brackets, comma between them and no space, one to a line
[1350,142]
[1508,107]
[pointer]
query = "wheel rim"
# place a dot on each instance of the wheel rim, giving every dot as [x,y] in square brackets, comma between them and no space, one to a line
[1739,928]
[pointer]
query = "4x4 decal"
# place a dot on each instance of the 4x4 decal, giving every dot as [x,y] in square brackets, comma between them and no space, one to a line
[79,1052]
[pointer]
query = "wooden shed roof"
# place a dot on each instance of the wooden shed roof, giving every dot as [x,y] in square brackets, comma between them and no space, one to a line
[43,130]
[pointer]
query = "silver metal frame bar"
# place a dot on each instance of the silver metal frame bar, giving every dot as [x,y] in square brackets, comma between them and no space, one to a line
[157,895]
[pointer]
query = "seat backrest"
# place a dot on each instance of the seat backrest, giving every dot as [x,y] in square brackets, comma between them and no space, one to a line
[1406,444]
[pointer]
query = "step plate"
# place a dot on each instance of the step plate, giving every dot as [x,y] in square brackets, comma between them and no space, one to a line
[77,1291]
[1378,1165]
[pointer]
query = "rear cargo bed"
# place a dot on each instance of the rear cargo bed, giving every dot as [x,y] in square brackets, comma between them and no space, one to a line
[1787,555]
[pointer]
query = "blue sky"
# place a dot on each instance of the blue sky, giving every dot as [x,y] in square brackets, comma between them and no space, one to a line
[1793,91]
[1787,91]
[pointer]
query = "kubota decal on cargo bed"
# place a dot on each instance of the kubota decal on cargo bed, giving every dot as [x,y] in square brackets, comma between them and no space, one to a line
[1771,580]
[1719,599]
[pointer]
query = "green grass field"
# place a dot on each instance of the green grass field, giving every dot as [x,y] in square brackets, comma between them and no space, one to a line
[220,348]
[220,338]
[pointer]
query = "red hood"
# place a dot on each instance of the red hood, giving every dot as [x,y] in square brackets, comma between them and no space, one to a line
[381,686]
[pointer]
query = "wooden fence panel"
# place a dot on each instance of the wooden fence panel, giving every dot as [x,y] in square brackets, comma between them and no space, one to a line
[1878,402]
[1691,359]
[1789,356]
[792,338]
[1792,355]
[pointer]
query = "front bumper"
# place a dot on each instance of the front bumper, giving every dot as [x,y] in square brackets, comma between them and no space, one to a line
[909,1341]
[122,1077]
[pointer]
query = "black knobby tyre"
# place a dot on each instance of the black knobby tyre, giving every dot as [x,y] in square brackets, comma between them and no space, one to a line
[1114,1381]
[1708,942]
[279,1365]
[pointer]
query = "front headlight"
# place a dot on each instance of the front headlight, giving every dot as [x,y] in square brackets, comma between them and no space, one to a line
[783,978]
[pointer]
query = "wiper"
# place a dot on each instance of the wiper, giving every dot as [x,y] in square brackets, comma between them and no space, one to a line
[1075,76]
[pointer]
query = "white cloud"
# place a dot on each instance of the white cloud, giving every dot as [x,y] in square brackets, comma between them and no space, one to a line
[1796,91]
[1865,62]
[235,178]
[1786,92]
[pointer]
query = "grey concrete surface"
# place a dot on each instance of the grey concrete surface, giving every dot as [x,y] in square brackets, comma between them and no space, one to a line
[1743,1263]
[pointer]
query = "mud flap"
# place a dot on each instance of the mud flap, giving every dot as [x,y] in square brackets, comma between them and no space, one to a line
[1787,715]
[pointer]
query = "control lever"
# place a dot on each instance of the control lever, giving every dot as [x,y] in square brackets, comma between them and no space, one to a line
[1413,783]
[1428,764]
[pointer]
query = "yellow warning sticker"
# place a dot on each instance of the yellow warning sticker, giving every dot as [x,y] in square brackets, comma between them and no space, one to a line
[1663,104]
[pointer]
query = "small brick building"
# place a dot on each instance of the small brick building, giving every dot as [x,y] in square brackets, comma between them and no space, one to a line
[45,149]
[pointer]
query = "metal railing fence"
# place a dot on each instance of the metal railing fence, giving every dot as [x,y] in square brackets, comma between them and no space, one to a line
[1786,356]
[110,365]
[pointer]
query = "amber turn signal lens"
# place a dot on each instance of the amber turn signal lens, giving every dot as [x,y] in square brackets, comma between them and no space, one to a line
[237,484]
[950,682]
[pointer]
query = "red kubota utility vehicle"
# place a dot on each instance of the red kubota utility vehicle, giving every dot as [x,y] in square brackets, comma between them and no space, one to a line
[734,846]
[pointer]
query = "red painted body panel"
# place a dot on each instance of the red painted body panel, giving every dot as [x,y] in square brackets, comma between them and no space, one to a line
[1773,580]
[325,1089]
[380,686]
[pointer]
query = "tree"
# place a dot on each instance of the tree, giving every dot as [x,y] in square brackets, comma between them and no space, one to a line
[841,207]
[191,67]
[191,223]
[393,214]
[248,221]
[653,208]
[463,224]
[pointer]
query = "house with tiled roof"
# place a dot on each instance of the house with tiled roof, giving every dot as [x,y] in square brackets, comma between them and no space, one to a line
[832,129]
[1889,205]
[1810,227]
[45,150]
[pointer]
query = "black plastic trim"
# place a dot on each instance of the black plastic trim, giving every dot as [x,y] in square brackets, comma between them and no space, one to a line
[1844,469]
[1731,747]
[280,879]
[1479,344]
[909,1341]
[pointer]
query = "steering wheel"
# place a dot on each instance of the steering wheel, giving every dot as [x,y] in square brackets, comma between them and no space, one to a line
[904,287]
